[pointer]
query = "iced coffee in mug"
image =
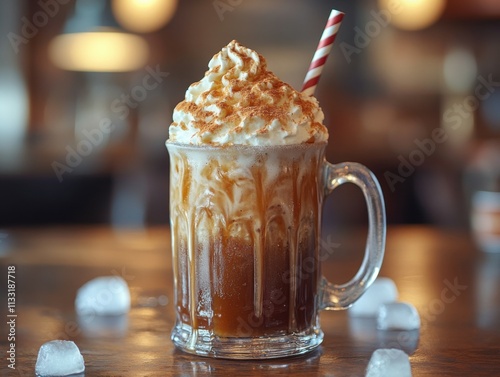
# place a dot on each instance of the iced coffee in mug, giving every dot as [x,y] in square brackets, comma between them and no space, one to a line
[247,182]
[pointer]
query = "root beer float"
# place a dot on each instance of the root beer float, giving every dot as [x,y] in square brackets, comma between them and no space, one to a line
[246,189]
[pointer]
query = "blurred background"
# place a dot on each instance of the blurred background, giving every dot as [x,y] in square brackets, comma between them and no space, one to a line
[87,90]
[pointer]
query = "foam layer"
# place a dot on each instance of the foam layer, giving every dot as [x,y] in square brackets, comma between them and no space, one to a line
[240,102]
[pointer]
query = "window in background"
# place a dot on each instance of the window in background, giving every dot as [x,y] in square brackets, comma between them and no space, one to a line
[13,95]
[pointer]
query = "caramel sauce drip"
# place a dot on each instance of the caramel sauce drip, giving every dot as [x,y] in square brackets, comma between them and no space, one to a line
[245,235]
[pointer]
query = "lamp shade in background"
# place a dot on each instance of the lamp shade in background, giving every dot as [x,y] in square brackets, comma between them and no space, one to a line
[143,16]
[413,14]
[103,50]
[93,42]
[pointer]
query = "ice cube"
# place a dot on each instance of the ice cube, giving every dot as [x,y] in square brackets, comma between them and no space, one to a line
[383,290]
[105,295]
[59,358]
[397,316]
[387,362]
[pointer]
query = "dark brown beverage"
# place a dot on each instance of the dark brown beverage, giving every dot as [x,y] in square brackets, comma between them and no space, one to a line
[245,227]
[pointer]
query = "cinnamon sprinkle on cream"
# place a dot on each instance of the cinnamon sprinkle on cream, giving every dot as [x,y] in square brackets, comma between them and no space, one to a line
[240,102]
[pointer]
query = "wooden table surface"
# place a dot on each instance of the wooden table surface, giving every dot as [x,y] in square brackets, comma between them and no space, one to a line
[455,287]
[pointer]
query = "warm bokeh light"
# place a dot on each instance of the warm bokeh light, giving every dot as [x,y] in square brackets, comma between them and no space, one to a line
[143,16]
[100,51]
[413,14]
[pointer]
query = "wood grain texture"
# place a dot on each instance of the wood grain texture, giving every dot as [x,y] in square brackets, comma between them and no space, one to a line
[455,288]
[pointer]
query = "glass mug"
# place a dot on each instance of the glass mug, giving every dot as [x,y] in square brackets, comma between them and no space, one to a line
[245,225]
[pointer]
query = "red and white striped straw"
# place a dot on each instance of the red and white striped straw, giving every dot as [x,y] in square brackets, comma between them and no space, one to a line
[324,47]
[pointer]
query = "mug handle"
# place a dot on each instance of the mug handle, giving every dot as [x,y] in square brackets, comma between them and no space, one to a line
[336,297]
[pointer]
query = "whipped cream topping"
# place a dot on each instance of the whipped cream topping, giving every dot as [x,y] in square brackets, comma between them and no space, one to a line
[240,102]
